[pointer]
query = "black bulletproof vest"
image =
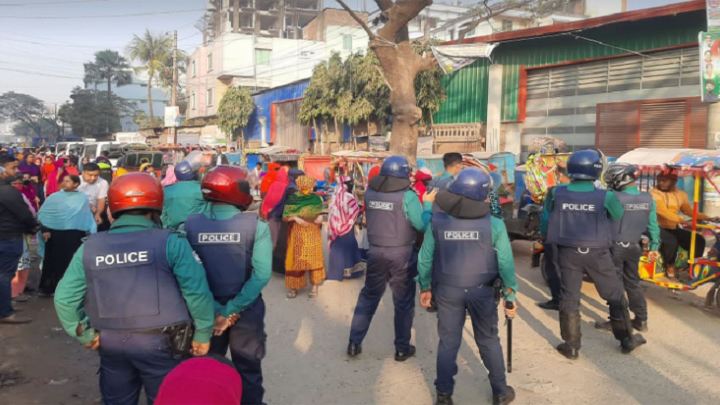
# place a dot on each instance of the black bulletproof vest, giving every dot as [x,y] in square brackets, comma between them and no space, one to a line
[635,219]
[226,249]
[464,255]
[130,284]
[579,219]
[386,222]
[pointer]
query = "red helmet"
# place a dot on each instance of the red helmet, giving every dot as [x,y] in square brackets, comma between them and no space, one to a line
[227,184]
[135,191]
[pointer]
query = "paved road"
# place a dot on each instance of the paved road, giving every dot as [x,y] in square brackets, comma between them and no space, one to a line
[306,363]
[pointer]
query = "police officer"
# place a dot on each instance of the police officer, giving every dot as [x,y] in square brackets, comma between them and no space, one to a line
[465,250]
[182,198]
[578,218]
[452,162]
[394,218]
[640,216]
[550,251]
[127,289]
[236,251]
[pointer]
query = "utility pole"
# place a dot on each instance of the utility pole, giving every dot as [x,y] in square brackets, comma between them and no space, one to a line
[173,97]
[236,16]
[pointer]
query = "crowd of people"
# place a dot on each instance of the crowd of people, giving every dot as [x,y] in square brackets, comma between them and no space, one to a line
[188,258]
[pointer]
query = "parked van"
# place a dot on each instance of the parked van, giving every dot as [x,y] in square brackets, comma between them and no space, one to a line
[62,148]
[93,150]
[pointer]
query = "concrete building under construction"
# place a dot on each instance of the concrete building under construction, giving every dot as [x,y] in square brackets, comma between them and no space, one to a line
[263,18]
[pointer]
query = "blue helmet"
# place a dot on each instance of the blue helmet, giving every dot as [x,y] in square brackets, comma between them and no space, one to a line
[395,166]
[585,165]
[473,183]
[184,171]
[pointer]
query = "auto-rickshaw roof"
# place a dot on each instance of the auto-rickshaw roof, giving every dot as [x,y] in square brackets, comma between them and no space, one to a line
[673,157]
[359,155]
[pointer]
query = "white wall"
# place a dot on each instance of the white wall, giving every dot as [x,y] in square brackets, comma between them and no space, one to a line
[597,8]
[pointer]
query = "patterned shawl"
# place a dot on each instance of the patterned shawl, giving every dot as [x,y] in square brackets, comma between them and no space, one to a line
[304,204]
[343,211]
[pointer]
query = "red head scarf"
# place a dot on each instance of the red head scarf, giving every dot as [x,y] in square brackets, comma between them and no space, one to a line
[269,178]
[201,381]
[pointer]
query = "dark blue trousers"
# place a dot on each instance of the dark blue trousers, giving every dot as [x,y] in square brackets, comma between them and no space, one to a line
[396,266]
[10,252]
[246,340]
[553,271]
[479,302]
[130,361]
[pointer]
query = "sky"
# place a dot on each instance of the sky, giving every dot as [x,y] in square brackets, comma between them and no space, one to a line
[44,43]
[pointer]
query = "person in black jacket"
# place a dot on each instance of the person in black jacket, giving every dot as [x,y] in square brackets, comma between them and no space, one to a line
[15,221]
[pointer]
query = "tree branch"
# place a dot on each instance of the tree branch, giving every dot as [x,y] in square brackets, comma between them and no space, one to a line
[424,64]
[400,14]
[384,5]
[358,19]
[490,13]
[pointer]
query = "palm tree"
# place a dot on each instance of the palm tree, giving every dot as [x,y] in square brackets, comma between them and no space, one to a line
[155,53]
[113,68]
[92,74]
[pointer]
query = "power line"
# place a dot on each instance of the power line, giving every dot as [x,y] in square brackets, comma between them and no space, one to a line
[53,2]
[100,16]
[63,45]
[40,74]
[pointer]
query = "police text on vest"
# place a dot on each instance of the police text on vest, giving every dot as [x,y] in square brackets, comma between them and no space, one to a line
[578,207]
[637,207]
[219,238]
[381,205]
[462,235]
[122,258]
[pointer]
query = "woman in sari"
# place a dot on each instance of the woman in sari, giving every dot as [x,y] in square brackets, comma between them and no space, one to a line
[23,270]
[47,168]
[269,178]
[65,219]
[302,212]
[275,219]
[345,257]
[55,179]
[273,197]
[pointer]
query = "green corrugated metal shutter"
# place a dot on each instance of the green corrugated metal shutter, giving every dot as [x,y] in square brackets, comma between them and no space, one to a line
[467,88]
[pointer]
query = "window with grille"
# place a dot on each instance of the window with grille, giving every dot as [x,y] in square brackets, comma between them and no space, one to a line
[347,42]
[209,62]
[194,69]
[193,101]
[210,97]
[507,25]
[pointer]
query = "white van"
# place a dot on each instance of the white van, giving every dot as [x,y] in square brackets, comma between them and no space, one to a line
[93,150]
[62,148]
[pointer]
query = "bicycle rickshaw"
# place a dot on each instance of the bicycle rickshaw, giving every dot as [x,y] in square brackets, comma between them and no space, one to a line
[699,175]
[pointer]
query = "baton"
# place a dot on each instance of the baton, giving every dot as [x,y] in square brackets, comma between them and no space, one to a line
[508,322]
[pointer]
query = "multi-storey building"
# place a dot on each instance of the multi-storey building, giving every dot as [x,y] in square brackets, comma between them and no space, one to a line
[260,62]
[265,18]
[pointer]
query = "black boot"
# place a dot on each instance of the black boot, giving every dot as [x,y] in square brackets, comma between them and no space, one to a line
[402,356]
[604,326]
[640,325]
[622,330]
[549,305]
[443,399]
[505,398]
[570,333]
[354,349]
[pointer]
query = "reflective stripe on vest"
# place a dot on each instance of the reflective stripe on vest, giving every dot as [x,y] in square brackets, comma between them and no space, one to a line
[635,219]
[386,222]
[464,255]
[130,284]
[225,248]
[579,219]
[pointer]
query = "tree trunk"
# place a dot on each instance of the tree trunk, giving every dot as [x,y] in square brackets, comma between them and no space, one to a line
[318,139]
[400,67]
[150,100]
[109,95]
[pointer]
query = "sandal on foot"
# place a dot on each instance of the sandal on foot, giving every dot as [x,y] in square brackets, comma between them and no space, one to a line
[313,294]
[292,294]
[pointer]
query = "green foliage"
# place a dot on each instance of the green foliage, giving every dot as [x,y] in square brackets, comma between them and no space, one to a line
[155,53]
[428,86]
[234,110]
[30,111]
[108,67]
[93,112]
[48,129]
[354,91]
